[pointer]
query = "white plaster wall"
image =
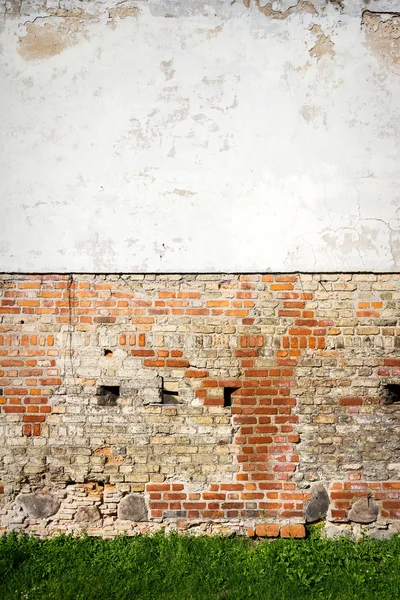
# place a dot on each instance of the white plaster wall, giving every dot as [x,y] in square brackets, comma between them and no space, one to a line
[192,136]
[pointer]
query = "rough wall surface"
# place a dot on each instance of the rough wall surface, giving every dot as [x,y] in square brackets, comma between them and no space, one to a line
[286,403]
[191,136]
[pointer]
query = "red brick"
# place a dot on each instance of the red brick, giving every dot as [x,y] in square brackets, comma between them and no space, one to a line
[277,287]
[350,401]
[237,313]
[174,496]
[33,418]
[196,374]
[256,373]
[15,391]
[177,363]
[295,530]
[214,402]
[391,485]
[27,430]
[391,504]
[153,363]
[267,529]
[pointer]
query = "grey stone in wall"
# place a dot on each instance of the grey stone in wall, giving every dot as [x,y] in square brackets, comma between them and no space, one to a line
[380,534]
[87,514]
[38,506]
[333,532]
[132,508]
[364,510]
[318,506]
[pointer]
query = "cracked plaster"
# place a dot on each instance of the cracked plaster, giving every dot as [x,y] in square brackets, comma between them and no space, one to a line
[218,136]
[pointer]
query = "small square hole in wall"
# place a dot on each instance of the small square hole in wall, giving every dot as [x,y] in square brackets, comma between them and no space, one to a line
[228,392]
[107,395]
[391,393]
[170,393]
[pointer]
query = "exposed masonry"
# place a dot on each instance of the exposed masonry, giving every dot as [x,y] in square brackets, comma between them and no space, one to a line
[59,24]
[283,403]
[383,36]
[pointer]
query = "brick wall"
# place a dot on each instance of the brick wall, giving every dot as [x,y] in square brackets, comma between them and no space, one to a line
[285,389]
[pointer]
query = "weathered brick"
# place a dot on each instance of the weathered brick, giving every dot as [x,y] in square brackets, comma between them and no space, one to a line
[301,358]
[295,530]
[267,529]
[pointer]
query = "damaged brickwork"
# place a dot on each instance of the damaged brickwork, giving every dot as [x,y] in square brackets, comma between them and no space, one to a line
[218,403]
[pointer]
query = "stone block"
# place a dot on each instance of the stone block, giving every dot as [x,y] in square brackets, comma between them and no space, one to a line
[87,514]
[333,532]
[364,510]
[38,506]
[175,514]
[318,506]
[132,508]
[380,534]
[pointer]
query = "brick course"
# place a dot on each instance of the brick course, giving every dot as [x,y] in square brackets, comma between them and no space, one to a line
[308,358]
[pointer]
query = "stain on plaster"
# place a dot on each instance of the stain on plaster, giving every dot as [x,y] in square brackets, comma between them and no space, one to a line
[12,7]
[301,7]
[304,67]
[66,8]
[312,113]
[210,33]
[245,2]
[167,68]
[382,33]
[324,45]
[123,10]
[361,239]
[184,193]
[76,12]
[99,251]
[50,38]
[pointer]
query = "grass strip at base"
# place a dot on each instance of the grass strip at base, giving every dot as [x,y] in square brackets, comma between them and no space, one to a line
[178,567]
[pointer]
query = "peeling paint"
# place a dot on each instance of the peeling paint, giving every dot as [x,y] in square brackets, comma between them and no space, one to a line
[227,121]
[382,32]
[72,11]
[337,3]
[51,38]
[302,6]
[324,45]
[123,10]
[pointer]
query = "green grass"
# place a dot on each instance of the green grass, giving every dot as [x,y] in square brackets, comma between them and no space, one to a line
[184,568]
